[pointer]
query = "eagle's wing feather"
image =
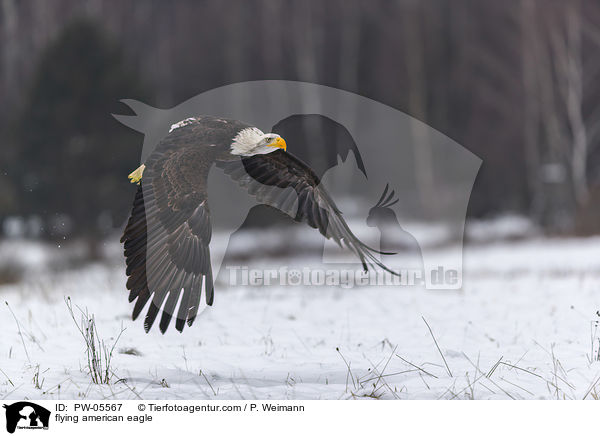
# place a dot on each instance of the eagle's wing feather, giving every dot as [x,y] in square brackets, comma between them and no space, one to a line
[306,201]
[167,237]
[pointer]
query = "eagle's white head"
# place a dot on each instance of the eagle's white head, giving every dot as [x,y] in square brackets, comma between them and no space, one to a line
[252,141]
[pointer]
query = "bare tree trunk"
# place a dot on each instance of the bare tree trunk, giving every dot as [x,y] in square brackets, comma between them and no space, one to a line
[531,137]
[417,103]
[349,65]
[565,47]
[9,47]
[574,100]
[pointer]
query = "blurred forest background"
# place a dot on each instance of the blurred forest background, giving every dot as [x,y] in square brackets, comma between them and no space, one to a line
[515,82]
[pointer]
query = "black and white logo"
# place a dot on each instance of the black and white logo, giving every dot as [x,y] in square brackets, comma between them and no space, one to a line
[26,415]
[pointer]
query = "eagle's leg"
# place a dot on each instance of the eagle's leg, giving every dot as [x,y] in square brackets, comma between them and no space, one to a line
[136,176]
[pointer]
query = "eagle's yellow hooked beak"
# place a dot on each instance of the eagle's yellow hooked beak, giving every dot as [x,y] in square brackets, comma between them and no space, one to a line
[279,143]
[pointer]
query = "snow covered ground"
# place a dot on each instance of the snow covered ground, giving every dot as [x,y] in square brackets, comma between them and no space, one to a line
[523,327]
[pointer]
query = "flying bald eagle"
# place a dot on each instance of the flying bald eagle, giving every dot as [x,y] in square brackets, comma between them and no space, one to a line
[167,237]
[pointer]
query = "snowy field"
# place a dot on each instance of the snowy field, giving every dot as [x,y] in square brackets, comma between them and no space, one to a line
[521,328]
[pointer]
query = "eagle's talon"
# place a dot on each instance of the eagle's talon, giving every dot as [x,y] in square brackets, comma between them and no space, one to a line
[136,176]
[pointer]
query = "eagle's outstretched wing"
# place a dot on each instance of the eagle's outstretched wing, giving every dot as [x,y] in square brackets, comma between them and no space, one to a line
[306,201]
[167,237]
